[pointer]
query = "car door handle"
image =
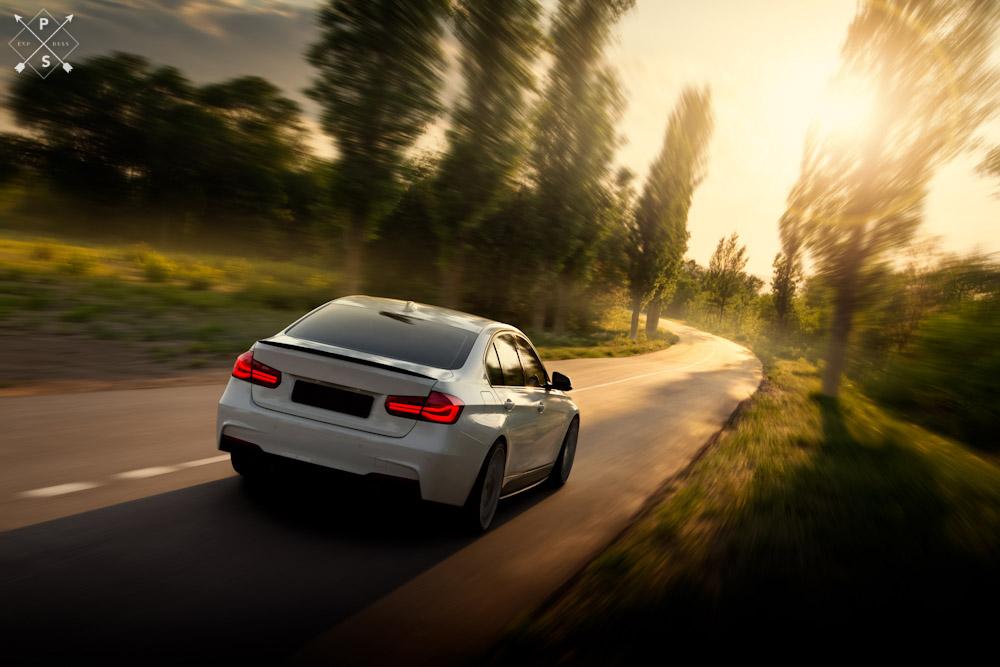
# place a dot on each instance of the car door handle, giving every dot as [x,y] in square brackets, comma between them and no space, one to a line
[541,407]
[508,405]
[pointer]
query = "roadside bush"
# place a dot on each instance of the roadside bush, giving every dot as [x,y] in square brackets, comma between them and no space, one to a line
[201,277]
[289,296]
[77,264]
[949,377]
[43,252]
[156,268]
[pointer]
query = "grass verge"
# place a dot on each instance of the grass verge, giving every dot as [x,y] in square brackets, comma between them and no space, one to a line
[807,519]
[175,311]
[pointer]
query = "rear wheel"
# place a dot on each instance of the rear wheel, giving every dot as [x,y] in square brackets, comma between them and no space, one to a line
[564,464]
[247,462]
[481,506]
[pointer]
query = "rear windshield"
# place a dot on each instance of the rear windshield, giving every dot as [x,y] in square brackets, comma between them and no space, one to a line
[387,334]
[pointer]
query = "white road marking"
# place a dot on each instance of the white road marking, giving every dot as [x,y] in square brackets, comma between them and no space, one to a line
[139,473]
[203,462]
[143,473]
[708,356]
[58,490]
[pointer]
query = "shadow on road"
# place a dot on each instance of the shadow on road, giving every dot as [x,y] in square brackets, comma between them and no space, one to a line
[221,571]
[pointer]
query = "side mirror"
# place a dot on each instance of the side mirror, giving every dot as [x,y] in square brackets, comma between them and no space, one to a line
[560,382]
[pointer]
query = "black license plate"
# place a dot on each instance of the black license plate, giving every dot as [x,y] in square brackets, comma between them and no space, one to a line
[331,398]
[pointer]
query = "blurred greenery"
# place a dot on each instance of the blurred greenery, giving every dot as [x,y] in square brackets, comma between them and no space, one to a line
[199,309]
[174,197]
[810,518]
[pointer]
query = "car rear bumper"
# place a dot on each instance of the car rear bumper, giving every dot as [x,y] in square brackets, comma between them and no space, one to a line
[444,460]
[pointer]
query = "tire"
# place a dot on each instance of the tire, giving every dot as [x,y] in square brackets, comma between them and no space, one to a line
[567,455]
[481,506]
[247,463]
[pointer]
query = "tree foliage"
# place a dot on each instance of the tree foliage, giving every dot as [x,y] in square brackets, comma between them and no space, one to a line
[121,130]
[575,140]
[784,284]
[860,194]
[726,277]
[500,42]
[379,71]
[657,236]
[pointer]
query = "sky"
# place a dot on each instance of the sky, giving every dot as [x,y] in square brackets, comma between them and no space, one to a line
[766,61]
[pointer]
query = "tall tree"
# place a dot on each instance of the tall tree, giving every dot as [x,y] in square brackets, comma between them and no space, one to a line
[784,283]
[726,277]
[500,42]
[787,270]
[657,238]
[926,64]
[575,140]
[380,66]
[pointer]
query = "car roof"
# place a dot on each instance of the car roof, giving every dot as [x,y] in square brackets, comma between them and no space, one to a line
[455,318]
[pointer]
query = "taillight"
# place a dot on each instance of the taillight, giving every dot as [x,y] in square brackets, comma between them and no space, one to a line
[249,369]
[436,407]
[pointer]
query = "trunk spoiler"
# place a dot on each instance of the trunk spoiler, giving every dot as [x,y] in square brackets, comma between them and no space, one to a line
[344,357]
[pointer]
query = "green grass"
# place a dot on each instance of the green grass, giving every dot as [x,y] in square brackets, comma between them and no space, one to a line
[189,309]
[195,309]
[609,338]
[809,518]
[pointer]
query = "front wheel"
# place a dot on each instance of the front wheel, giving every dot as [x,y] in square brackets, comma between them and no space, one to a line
[567,454]
[481,506]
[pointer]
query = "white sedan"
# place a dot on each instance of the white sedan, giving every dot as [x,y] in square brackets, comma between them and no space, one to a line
[461,405]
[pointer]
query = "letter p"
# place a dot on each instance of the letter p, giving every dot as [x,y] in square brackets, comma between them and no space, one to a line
[42,22]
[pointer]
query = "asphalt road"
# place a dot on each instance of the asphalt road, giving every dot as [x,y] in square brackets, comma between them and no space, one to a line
[128,538]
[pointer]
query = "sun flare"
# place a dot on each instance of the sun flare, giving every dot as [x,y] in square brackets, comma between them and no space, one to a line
[846,109]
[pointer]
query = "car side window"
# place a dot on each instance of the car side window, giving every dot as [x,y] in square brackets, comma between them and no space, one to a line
[493,370]
[534,371]
[513,375]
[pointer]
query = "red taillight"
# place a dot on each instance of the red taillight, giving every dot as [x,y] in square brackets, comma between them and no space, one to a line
[249,369]
[436,407]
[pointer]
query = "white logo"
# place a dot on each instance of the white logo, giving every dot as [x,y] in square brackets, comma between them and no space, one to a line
[42,43]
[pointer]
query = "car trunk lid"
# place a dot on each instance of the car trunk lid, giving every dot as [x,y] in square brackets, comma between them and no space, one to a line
[337,386]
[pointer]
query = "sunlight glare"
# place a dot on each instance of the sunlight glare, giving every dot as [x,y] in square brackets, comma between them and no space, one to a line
[846,109]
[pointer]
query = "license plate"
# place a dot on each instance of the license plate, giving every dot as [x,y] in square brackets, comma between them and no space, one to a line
[332,398]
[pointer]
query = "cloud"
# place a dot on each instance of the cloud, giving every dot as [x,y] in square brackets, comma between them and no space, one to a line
[206,40]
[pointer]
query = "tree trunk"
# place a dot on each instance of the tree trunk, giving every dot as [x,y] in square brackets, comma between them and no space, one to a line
[538,312]
[653,317]
[836,351]
[845,303]
[560,313]
[633,331]
[452,276]
[353,264]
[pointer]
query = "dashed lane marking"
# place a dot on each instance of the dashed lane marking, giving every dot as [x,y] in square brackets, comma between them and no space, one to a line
[139,473]
[58,490]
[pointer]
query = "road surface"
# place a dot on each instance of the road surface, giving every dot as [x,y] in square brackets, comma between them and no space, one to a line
[128,538]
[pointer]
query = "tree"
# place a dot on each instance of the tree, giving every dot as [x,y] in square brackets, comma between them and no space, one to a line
[784,283]
[926,66]
[126,132]
[658,236]
[17,156]
[688,282]
[379,68]
[263,141]
[575,140]
[95,130]
[726,277]
[500,40]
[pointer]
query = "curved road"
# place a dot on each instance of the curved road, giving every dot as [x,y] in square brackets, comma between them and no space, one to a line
[129,539]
